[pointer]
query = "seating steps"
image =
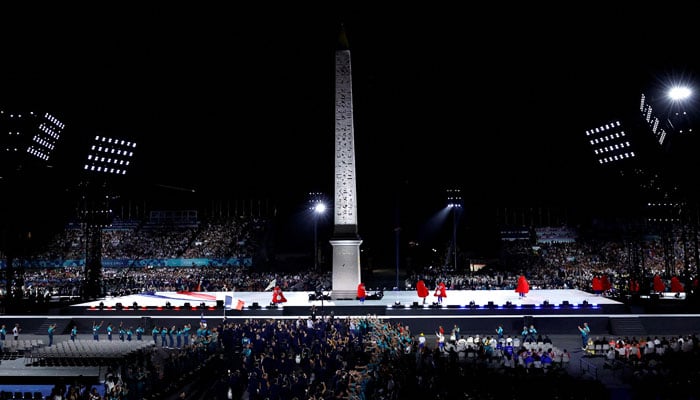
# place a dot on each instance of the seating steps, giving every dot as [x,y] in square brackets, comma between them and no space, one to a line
[627,326]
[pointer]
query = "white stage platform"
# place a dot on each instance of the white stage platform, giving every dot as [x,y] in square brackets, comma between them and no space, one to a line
[454,298]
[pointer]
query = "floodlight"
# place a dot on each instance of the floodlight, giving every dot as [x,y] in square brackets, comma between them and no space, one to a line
[454,198]
[610,143]
[29,136]
[454,202]
[678,93]
[109,156]
[46,135]
[318,206]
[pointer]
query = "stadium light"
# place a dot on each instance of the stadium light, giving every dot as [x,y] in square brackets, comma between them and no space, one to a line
[28,137]
[454,202]
[109,155]
[318,207]
[611,143]
[46,135]
[679,93]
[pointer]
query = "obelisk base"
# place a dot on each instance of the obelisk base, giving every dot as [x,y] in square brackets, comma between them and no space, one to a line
[346,268]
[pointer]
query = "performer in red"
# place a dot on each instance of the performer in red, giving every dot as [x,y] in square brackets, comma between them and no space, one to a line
[361,293]
[597,285]
[278,296]
[605,282]
[422,290]
[676,286]
[659,286]
[634,286]
[522,287]
[441,292]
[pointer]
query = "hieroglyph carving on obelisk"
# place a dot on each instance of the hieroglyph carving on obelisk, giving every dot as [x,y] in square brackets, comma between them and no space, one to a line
[346,241]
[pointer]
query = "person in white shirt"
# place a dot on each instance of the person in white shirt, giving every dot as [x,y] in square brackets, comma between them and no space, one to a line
[421,341]
[440,340]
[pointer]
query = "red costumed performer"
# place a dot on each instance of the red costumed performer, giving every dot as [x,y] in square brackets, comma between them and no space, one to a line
[278,296]
[605,281]
[422,290]
[522,287]
[659,286]
[634,286]
[441,292]
[676,285]
[597,285]
[361,293]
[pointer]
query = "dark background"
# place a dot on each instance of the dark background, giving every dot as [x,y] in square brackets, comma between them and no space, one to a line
[234,103]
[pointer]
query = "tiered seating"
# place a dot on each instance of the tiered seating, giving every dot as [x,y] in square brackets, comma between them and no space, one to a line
[85,352]
[13,349]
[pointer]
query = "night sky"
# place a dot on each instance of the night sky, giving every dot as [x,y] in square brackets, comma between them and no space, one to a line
[238,103]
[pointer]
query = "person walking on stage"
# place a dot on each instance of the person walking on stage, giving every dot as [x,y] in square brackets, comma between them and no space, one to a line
[3,332]
[676,286]
[74,333]
[523,286]
[441,292]
[361,293]
[659,286]
[15,332]
[585,332]
[422,290]
[597,285]
[634,286]
[278,296]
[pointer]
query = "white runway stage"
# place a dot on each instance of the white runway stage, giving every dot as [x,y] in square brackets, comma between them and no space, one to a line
[454,298]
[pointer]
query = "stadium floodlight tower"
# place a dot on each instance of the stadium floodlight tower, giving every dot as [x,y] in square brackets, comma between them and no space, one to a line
[106,157]
[28,140]
[318,207]
[28,137]
[454,202]
[669,109]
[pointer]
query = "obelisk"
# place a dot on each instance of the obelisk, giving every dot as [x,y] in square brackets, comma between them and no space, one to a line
[345,240]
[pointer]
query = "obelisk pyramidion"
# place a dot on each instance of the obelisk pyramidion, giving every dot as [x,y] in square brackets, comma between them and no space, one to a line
[346,240]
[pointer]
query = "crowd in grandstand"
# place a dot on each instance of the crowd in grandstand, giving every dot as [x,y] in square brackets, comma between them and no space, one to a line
[140,257]
[344,358]
[216,237]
